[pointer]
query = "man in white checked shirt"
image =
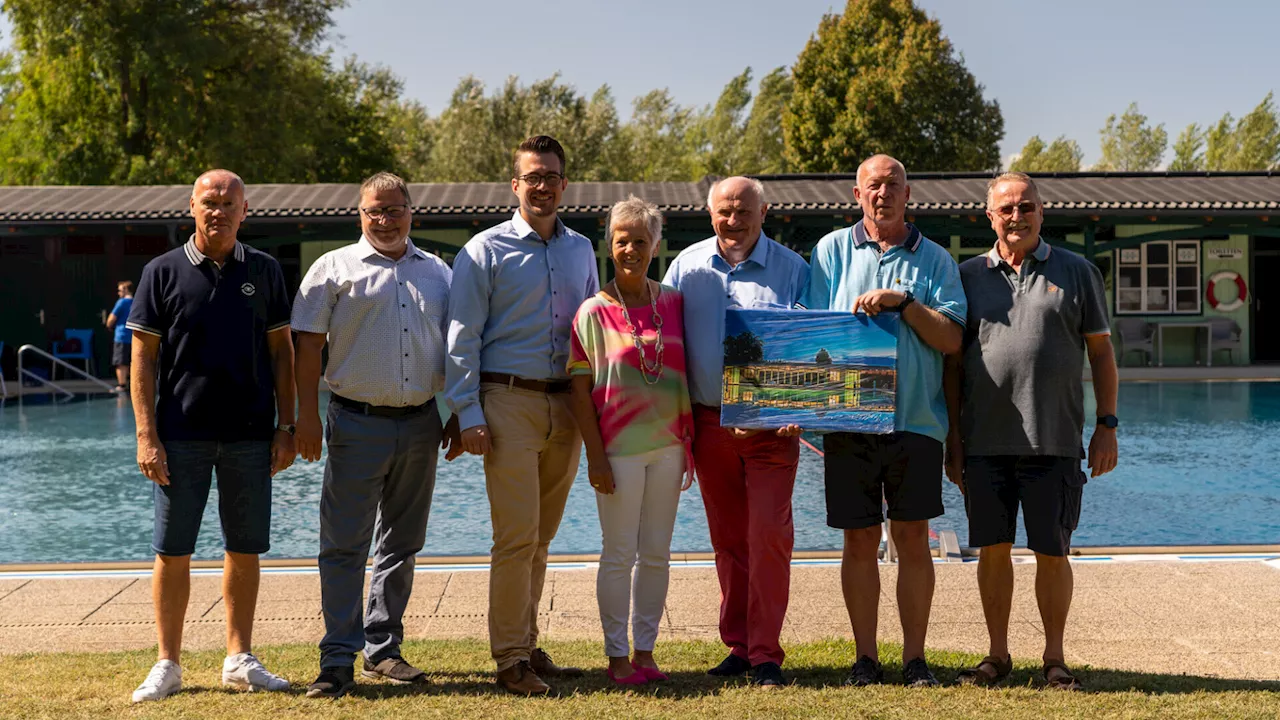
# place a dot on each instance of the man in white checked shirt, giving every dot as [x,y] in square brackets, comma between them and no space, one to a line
[381,304]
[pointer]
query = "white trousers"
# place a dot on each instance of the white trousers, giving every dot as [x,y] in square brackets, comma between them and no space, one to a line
[637,521]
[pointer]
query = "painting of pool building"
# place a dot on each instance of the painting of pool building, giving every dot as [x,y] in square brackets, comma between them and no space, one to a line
[821,370]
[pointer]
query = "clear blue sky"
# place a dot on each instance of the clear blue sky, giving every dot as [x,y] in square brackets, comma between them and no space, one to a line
[1056,67]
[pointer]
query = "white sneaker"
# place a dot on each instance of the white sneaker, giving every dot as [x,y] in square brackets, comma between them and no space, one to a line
[245,672]
[164,680]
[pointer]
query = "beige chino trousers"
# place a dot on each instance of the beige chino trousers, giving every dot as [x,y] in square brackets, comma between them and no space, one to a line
[528,474]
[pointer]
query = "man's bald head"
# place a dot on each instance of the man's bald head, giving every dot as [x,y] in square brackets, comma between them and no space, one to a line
[736,186]
[881,165]
[882,192]
[223,179]
[218,206]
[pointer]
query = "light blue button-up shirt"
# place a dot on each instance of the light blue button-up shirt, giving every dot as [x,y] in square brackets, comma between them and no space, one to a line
[510,307]
[771,277]
[847,263]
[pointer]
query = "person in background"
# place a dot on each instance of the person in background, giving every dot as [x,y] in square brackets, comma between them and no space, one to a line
[122,337]
[212,390]
[631,403]
[1016,401]
[515,289]
[881,264]
[381,305]
[746,476]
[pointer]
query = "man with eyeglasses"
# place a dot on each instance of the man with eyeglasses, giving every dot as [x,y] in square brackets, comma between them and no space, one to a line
[515,289]
[1016,402]
[884,264]
[381,305]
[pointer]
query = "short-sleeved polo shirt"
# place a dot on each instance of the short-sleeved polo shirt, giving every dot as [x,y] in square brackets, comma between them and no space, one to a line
[1024,351]
[120,333]
[847,263]
[217,381]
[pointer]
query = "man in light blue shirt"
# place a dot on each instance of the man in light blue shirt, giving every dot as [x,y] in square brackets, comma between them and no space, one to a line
[885,264]
[515,289]
[745,476]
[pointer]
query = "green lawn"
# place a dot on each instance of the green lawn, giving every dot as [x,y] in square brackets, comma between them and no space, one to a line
[66,686]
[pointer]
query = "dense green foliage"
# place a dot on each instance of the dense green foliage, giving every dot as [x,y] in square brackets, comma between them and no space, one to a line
[1061,155]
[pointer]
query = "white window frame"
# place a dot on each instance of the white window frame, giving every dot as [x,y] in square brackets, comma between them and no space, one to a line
[1173,246]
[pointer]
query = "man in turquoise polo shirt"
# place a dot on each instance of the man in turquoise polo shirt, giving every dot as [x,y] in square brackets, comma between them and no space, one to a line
[884,264]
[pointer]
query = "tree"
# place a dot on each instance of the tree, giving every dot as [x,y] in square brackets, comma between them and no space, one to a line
[656,140]
[715,132]
[132,91]
[1188,149]
[1252,143]
[823,357]
[762,149]
[883,78]
[1061,155]
[1128,144]
[743,349]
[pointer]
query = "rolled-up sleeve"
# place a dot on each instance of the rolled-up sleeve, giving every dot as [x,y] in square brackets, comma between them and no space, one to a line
[147,315]
[316,297]
[948,292]
[468,313]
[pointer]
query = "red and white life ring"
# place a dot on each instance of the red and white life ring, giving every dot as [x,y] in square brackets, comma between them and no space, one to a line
[1241,291]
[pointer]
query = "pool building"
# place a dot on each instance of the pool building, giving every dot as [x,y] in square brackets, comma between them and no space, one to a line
[1186,256]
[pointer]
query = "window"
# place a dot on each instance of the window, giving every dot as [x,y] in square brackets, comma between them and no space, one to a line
[1159,278]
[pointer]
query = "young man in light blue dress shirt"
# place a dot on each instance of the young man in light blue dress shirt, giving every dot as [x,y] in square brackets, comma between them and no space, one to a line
[380,304]
[745,476]
[516,287]
[884,264]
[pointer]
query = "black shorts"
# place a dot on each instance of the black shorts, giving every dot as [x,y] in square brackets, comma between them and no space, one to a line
[1048,487]
[904,468]
[120,354]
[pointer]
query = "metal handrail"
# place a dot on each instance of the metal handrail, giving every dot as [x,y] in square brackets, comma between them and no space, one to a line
[50,383]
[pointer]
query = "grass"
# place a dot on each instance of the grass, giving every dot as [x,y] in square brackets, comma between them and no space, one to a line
[69,685]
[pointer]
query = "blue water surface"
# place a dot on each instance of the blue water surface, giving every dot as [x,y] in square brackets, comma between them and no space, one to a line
[1199,464]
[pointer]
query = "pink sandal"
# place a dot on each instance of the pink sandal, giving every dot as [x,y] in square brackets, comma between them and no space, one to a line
[635,678]
[650,674]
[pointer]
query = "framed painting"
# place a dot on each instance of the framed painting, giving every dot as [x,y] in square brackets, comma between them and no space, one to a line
[821,370]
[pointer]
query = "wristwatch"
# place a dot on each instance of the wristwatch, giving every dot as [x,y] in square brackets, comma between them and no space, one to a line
[907,300]
[1108,421]
[291,429]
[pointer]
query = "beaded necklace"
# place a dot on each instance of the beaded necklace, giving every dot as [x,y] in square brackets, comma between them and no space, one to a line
[647,369]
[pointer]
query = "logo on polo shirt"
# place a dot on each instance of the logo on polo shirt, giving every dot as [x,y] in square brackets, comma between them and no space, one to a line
[248,289]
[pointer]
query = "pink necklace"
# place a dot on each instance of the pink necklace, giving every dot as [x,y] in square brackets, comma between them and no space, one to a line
[647,369]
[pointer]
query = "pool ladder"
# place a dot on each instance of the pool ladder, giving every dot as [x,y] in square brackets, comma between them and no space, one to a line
[23,372]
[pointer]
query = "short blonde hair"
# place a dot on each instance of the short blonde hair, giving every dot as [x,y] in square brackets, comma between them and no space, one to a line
[386,181]
[1012,177]
[633,210]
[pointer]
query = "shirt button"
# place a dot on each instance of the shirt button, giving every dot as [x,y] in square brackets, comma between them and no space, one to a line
[406,329]
[402,305]
[406,354]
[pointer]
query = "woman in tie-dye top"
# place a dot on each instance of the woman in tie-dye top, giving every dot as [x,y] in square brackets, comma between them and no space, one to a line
[631,402]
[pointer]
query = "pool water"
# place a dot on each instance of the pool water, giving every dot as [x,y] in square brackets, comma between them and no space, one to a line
[1199,464]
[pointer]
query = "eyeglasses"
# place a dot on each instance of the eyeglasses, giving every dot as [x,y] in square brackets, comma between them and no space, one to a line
[394,212]
[534,179]
[1026,208]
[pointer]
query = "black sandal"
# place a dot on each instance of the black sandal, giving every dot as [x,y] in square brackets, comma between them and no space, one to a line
[1065,681]
[977,676]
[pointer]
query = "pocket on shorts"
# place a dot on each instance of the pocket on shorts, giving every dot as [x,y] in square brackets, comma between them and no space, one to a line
[1073,482]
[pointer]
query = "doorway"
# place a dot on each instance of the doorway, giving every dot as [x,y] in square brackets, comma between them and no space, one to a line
[1265,324]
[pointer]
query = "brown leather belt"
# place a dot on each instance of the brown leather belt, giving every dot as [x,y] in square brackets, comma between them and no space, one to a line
[542,386]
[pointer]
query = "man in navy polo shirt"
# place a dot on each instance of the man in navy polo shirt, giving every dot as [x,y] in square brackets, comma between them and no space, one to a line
[215,316]
[884,263]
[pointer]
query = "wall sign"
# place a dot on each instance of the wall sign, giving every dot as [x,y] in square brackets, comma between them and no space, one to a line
[1226,253]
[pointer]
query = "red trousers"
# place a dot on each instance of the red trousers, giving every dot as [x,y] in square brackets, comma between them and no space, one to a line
[746,487]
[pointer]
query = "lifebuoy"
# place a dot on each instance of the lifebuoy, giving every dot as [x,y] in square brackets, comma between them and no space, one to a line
[1241,290]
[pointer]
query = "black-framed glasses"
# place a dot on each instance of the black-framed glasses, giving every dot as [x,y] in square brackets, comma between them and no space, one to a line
[535,179]
[394,212]
[1026,208]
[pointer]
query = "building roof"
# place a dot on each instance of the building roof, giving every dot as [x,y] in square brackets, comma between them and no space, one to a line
[931,194]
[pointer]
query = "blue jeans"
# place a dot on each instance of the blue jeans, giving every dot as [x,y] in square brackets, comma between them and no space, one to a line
[378,481]
[244,495]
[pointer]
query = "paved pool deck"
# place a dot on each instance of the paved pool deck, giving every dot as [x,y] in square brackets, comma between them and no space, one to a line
[1201,617]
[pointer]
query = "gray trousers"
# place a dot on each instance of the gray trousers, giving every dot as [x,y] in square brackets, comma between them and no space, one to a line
[378,481]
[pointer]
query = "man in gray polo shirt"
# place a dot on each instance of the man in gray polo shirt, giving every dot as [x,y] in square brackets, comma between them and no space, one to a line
[1034,313]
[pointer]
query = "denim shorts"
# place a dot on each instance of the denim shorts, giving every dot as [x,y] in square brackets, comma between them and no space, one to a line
[244,495]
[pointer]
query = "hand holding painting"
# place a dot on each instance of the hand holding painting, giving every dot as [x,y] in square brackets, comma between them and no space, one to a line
[874,301]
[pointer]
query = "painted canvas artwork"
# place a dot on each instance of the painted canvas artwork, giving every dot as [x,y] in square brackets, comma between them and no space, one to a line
[833,371]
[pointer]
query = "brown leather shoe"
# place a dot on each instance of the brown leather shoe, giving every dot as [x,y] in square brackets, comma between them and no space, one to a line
[541,663]
[520,679]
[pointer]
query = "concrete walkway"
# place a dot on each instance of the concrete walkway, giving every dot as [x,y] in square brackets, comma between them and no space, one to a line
[1219,619]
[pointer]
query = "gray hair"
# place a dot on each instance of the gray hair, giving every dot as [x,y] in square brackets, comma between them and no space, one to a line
[756,185]
[633,210]
[379,182]
[1012,177]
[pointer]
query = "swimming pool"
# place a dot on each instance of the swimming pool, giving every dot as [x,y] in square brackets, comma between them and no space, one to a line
[1199,464]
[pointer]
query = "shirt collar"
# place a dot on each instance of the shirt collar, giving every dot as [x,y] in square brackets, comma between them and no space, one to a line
[912,243]
[1040,254]
[524,229]
[759,254]
[196,257]
[367,250]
